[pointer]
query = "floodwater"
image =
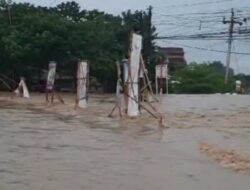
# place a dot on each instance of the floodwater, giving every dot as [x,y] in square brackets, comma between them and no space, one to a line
[51,148]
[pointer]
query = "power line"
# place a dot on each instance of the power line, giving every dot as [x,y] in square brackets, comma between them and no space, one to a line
[197,13]
[208,22]
[245,43]
[211,50]
[203,37]
[196,16]
[198,3]
[205,21]
[239,34]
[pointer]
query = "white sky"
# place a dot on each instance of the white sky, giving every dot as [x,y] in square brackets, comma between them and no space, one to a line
[164,26]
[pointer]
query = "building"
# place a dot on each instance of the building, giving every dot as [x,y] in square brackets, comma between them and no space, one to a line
[175,57]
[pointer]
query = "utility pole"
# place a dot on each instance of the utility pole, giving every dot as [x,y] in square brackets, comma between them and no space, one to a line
[231,23]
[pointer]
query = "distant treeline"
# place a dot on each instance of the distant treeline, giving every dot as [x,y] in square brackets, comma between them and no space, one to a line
[206,78]
[31,36]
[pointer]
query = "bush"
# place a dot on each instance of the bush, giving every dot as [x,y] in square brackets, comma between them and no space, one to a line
[201,79]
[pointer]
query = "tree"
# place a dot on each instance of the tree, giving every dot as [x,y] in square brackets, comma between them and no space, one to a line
[201,78]
[141,21]
[220,68]
[70,10]
[66,34]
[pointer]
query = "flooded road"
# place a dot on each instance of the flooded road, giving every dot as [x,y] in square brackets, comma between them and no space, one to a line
[62,148]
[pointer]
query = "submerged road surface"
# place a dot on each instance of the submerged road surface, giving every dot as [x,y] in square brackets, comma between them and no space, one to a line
[48,151]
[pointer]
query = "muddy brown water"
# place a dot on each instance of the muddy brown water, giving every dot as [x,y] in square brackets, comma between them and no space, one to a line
[51,151]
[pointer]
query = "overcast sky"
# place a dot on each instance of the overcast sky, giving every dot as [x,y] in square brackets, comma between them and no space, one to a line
[168,26]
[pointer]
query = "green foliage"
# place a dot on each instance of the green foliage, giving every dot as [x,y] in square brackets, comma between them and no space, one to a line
[142,22]
[202,79]
[65,34]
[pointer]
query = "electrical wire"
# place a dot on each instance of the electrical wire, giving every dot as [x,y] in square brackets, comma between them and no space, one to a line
[211,50]
[198,4]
